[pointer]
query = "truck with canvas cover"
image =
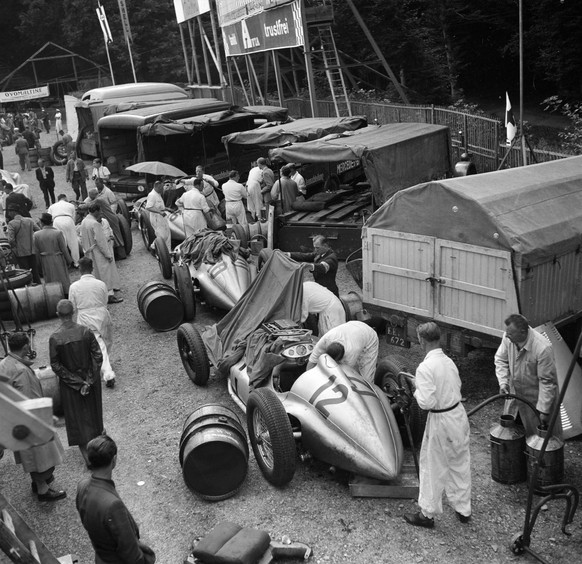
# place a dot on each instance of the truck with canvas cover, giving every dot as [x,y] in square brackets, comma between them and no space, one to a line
[392,157]
[468,251]
[108,100]
[245,147]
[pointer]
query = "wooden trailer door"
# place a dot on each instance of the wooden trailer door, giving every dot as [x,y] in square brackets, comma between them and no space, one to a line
[396,268]
[476,288]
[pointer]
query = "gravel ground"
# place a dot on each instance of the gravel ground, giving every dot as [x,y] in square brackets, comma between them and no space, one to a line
[145,414]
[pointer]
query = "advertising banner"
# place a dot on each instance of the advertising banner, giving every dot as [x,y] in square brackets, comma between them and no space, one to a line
[271,29]
[28,94]
[232,11]
[188,9]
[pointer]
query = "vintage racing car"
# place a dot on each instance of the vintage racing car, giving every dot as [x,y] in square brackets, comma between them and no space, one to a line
[337,417]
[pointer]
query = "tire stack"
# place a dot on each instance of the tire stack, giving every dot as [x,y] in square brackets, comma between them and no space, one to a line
[251,234]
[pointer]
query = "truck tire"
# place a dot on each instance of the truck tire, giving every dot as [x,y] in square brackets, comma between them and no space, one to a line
[193,354]
[59,155]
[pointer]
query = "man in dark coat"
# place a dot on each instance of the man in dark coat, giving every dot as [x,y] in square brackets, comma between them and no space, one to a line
[113,531]
[21,149]
[40,460]
[20,232]
[76,174]
[46,181]
[76,359]
[52,253]
[16,203]
[324,261]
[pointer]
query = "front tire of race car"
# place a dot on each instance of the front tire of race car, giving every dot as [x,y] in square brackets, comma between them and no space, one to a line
[185,290]
[147,231]
[163,256]
[271,437]
[193,354]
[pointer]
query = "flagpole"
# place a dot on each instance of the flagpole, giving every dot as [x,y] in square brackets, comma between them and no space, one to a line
[131,58]
[523,151]
[110,65]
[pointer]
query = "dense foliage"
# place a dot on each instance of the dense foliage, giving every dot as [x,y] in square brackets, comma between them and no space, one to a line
[441,49]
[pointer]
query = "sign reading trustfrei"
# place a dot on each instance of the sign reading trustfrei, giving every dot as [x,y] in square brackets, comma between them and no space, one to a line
[28,94]
[251,26]
[188,9]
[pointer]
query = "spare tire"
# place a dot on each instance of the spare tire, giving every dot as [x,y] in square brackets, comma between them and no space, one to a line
[126,233]
[59,154]
[123,210]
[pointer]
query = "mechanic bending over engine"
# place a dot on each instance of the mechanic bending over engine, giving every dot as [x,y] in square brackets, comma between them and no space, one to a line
[354,344]
[319,301]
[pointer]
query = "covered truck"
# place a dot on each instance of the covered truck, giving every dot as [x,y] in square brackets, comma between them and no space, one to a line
[393,157]
[469,251]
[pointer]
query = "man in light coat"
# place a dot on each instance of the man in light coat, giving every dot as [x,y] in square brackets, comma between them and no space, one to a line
[157,209]
[320,301]
[64,213]
[96,247]
[354,344]
[234,193]
[524,365]
[255,196]
[39,461]
[445,459]
[89,298]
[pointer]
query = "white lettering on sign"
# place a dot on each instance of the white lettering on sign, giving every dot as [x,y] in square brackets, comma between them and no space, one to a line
[347,165]
[278,28]
[248,41]
[232,39]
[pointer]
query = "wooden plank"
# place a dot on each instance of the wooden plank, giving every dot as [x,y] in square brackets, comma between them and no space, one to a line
[347,211]
[405,486]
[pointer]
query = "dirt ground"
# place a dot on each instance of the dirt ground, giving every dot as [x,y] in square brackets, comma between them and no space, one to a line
[145,414]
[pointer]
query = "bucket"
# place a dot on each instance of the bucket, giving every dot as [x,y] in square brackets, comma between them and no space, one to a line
[508,460]
[353,305]
[38,302]
[160,306]
[214,452]
[551,469]
[49,383]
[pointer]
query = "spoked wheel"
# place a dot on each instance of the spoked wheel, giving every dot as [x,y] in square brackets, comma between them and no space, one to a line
[185,290]
[271,436]
[193,354]
[163,256]
[59,154]
[147,231]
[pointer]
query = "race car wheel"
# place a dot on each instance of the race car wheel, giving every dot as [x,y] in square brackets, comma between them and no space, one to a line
[126,233]
[59,154]
[390,367]
[185,290]
[163,256]
[271,436]
[123,210]
[241,234]
[147,231]
[264,256]
[193,354]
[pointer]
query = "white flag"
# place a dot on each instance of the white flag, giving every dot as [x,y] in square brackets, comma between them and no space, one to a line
[104,24]
[510,125]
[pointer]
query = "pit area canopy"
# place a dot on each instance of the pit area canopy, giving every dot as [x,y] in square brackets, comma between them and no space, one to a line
[533,211]
[394,156]
[297,131]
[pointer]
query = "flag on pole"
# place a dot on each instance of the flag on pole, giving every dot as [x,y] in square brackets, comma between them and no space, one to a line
[104,24]
[510,125]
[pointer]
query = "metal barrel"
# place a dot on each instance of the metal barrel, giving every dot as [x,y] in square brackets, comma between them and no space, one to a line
[551,469]
[160,306]
[38,302]
[214,452]
[508,460]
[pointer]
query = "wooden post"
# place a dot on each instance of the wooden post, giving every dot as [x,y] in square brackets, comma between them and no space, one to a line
[251,85]
[204,53]
[308,65]
[241,81]
[230,80]
[256,79]
[192,33]
[294,71]
[277,69]
[185,52]
[217,47]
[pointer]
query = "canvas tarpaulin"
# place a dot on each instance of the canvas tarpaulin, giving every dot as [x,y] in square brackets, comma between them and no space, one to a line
[276,293]
[394,156]
[533,211]
[298,131]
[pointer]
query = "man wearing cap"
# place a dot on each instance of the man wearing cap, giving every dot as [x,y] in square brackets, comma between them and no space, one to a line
[234,192]
[64,213]
[52,253]
[76,174]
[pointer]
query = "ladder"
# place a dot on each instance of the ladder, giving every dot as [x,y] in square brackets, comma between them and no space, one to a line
[333,70]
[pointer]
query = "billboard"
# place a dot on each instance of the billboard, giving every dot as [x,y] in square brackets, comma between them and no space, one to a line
[28,94]
[276,28]
[188,9]
[232,11]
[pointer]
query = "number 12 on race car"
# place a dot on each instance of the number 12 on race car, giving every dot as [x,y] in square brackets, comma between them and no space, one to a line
[339,389]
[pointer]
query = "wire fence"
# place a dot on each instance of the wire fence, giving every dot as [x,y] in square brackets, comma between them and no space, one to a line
[483,137]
